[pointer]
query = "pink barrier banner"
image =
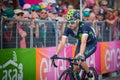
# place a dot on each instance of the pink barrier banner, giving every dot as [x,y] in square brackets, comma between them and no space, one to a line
[105,59]
[44,71]
[110,56]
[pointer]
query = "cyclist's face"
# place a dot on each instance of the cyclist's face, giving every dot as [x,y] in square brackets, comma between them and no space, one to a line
[72,24]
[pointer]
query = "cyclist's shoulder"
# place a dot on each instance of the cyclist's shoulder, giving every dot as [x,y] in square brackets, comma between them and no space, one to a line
[83,24]
[67,28]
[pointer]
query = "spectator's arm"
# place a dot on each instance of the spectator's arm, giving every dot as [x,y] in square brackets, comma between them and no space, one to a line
[37,32]
[97,3]
[84,6]
[111,21]
[21,32]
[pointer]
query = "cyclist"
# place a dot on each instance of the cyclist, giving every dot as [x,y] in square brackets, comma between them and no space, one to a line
[85,34]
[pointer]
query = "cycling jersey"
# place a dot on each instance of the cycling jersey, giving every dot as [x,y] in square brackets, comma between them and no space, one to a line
[84,29]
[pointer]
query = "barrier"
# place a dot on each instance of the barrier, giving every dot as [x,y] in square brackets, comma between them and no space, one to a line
[28,34]
[34,63]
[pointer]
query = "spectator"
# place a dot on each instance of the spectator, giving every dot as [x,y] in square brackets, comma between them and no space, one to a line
[103,6]
[53,14]
[113,17]
[35,8]
[100,17]
[86,14]
[49,27]
[49,6]
[27,28]
[18,14]
[60,27]
[96,9]
[21,33]
[42,28]
[35,28]
[93,22]
[27,7]
[43,14]
[64,7]
[9,30]
[70,6]
[90,3]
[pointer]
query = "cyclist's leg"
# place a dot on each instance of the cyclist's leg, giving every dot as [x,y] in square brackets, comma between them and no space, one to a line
[90,49]
[75,67]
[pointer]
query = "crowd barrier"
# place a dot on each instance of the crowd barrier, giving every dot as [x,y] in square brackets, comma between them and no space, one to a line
[28,34]
[35,63]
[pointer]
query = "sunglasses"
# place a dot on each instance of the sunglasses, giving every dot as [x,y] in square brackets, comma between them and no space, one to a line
[33,11]
[104,5]
[19,14]
[43,12]
[71,22]
[26,17]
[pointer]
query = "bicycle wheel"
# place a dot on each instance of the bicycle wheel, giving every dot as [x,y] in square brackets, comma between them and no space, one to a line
[94,73]
[67,75]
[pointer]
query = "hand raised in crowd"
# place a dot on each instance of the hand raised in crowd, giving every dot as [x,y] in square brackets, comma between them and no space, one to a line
[23,34]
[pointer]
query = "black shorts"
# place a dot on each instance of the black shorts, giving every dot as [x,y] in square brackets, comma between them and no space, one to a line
[90,48]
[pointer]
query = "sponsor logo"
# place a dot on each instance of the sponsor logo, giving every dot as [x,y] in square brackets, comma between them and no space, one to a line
[11,70]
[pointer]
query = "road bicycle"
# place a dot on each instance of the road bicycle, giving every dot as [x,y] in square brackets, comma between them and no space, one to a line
[69,74]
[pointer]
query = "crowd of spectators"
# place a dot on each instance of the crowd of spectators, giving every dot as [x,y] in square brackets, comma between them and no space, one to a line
[44,33]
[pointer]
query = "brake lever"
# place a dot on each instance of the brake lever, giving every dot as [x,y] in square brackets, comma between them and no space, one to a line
[53,63]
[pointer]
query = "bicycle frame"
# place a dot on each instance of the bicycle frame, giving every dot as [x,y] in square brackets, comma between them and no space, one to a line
[71,62]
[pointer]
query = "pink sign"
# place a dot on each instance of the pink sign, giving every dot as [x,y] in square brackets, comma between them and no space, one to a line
[110,56]
[105,59]
[44,70]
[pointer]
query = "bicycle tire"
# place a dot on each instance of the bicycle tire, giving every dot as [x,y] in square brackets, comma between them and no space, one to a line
[94,73]
[67,75]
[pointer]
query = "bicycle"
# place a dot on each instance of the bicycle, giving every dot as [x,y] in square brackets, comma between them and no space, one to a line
[68,74]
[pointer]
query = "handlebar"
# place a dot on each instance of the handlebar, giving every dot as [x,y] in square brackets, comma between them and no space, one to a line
[68,59]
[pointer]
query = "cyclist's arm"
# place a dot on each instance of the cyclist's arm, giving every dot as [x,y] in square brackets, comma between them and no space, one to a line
[63,40]
[83,43]
[61,44]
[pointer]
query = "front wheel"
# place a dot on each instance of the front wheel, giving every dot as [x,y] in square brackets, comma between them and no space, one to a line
[94,73]
[67,75]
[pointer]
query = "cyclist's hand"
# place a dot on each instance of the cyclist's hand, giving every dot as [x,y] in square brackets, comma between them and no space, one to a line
[54,56]
[80,58]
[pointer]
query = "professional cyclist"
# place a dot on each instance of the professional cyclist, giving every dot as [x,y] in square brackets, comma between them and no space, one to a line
[85,34]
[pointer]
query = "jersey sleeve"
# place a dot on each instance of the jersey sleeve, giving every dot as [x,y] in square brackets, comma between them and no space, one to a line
[66,31]
[85,29]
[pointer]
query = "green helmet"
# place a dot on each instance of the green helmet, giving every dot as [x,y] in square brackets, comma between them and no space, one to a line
[72,14]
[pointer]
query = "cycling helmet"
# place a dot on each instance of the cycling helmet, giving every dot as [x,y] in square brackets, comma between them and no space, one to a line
[72,14]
